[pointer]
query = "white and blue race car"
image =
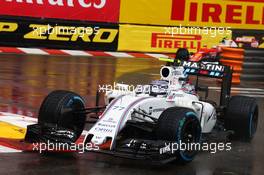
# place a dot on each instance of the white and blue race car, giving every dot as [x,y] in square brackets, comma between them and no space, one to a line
[139,124]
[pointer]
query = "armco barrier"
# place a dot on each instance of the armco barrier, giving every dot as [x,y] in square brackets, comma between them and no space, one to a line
[233,57]
[253,67]
[248,64]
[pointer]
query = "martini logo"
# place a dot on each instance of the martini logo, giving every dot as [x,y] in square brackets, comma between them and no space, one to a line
[168,41]
[231,13]
[203,66]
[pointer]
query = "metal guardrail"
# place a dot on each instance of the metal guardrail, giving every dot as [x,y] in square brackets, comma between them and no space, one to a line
[248,64]
[253,66]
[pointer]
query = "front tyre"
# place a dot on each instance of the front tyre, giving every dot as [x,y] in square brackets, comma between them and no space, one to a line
[242,117]
[60,108]
[180,126]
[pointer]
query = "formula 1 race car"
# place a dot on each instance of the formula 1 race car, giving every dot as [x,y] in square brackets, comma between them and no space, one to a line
[204,54]
[212,55]
[140,124]
[247,42]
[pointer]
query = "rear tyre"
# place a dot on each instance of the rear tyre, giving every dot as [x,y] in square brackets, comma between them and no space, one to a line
[59,108]
[242,117]
[180,125]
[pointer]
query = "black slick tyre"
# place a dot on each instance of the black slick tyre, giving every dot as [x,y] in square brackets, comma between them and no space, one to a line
[180,125]
[242,117]
[60,107]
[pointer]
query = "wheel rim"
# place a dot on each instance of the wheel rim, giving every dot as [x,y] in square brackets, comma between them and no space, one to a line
[191,133]
[71,119]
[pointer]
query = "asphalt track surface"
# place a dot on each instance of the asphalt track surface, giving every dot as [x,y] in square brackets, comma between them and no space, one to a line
[26,79]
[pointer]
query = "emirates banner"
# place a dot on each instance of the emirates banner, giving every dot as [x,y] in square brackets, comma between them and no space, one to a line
[88,10]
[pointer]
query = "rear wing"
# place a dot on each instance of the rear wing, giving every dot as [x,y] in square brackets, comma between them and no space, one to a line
[214,71]
[208,69]
[205,69]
